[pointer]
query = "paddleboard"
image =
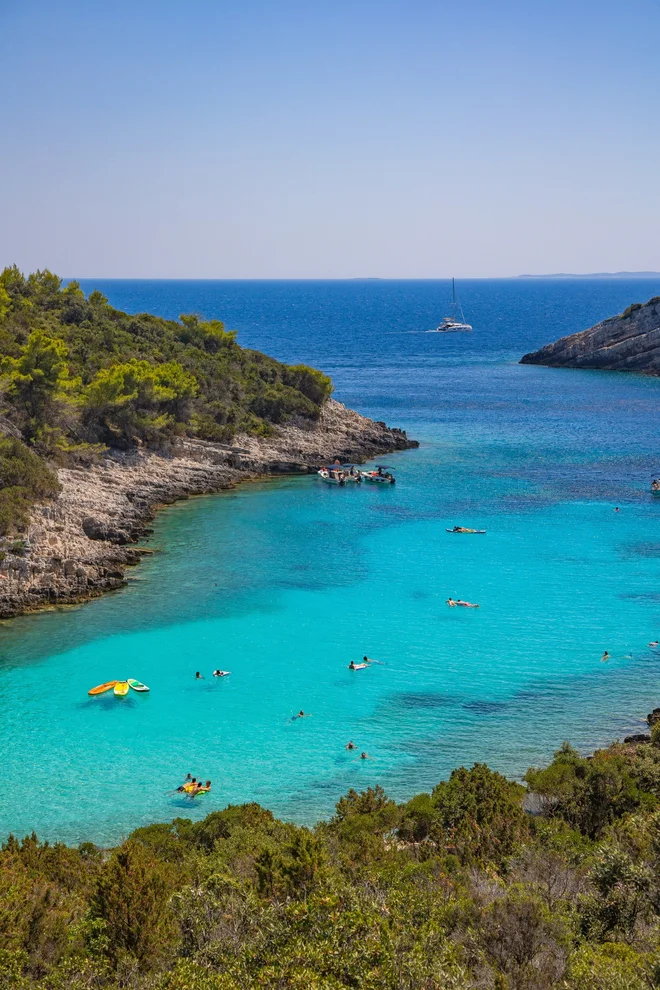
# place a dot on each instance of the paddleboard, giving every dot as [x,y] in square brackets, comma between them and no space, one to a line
[121,688]
[102,687]
[474,532]
[136,685]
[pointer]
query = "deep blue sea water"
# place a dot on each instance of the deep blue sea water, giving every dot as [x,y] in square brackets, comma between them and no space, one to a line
[282,582]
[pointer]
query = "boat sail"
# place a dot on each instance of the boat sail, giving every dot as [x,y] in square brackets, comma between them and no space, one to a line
[456,322]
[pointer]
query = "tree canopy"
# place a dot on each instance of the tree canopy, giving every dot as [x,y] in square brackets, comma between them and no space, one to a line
[76,373]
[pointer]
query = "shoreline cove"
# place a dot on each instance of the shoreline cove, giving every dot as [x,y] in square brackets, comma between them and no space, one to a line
[78,544]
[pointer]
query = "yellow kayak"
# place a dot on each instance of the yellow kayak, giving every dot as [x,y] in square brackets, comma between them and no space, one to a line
[121,688]
[102,688]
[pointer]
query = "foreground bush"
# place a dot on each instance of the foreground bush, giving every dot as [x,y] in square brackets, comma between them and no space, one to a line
[454,890]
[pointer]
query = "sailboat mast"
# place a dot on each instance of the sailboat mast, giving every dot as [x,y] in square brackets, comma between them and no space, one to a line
[453,298]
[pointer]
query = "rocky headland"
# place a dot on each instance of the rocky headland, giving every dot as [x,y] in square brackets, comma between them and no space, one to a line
[79,543]
[628,342]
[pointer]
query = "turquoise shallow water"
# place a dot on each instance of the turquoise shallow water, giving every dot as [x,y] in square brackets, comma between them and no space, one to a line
[282,582]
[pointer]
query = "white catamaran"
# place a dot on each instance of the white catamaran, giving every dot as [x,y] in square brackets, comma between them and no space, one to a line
[452,324]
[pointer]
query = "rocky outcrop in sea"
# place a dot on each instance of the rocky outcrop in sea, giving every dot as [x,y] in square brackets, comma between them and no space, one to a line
[79,544]
[628,342]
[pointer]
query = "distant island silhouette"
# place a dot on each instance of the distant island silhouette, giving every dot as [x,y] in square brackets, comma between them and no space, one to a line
[595,275]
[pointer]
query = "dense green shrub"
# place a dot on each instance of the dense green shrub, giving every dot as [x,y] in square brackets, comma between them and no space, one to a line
[77,374]
[24,478]
[453,890]
[592,793]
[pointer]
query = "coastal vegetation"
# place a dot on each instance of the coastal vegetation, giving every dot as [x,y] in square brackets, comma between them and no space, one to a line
[78,376]
[456,889]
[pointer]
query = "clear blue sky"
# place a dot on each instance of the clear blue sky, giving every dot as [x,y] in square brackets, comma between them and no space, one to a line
[273,138]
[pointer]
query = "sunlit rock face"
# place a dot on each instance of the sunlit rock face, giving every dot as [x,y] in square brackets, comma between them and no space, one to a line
[628,342]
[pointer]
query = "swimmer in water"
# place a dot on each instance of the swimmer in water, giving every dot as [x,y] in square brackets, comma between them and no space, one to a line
[188,784]
[605,657]
[463,604]
[350,745]
[220,673]
[351,665]
[198,676]
[364,756]
[301,714]
[617,509]
[654,643]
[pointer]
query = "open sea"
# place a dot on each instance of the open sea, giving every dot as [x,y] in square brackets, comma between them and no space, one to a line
[282,582]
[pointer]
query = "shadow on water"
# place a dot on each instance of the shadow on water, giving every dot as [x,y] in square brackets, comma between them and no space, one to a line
[485,707]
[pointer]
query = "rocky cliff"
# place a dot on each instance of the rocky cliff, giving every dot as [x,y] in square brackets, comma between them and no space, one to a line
[629,342]
[79,543]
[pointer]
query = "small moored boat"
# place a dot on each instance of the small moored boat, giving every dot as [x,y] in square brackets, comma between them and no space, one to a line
[332,475]
[381,476]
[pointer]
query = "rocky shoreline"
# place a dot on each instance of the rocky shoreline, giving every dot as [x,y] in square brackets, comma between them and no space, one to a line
[79,544]
[628,342]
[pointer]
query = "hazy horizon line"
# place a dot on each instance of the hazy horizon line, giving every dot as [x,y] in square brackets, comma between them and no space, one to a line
[360,278]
